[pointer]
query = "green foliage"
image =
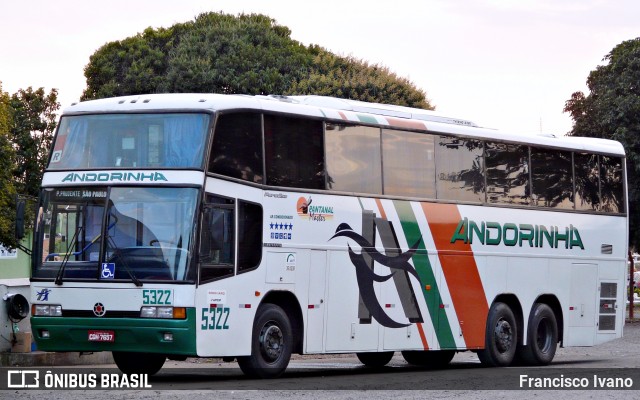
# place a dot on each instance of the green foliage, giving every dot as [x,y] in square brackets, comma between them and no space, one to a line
[247,54]
[350,78]
[7,163]
[134,65]
[27,124]
[34,122]
[611,110]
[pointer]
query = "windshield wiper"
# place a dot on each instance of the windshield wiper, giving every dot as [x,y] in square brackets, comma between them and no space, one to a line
[65,259]
[118,253]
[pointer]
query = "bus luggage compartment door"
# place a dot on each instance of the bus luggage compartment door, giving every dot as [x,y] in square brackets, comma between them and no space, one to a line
[582,305]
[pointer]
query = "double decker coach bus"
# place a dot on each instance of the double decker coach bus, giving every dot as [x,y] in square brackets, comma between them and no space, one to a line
[201,225]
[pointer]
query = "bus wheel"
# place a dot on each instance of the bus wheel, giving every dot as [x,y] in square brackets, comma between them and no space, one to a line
[433,359]
[138,363]
[500,337]
[542,336]
[271,344]
[375,360]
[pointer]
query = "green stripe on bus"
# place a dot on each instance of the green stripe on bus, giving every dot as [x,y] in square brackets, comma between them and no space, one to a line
[367,119]
[427,277]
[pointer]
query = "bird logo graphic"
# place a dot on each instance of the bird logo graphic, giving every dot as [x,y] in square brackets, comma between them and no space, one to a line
[366,277]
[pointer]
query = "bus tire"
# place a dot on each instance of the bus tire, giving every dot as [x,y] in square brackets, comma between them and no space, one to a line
[375,359]
[500,337]
[431,359]
[138,363]
[271,344]
[542,336]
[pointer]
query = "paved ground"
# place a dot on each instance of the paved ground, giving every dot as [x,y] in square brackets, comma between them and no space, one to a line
[343,377]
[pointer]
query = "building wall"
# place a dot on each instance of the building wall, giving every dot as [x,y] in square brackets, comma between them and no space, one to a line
[15,264]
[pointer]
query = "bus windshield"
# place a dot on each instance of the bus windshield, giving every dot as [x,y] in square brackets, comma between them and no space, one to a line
[130,141]
[115,233]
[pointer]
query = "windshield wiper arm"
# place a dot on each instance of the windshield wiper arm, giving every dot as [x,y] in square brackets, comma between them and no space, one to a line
[134,279]
[65,259]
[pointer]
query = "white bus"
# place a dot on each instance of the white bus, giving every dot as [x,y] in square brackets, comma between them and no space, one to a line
[202,225]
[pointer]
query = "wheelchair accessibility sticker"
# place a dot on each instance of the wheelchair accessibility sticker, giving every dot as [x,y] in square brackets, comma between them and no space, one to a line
[108,271]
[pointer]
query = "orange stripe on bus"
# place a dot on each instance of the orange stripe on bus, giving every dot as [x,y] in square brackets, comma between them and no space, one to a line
[405,123]
[382,213]
[460,272]
[342,115]
[422,336]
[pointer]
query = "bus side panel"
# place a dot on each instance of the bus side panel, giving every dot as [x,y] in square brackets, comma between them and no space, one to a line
[581,315]
[346,331]
[225,310]
[569,256]
[316,309]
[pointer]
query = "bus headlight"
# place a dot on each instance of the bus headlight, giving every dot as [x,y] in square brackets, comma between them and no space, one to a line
[46,310]
[163,312]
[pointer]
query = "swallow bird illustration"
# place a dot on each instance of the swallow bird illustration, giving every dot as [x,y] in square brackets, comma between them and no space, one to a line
[366,277]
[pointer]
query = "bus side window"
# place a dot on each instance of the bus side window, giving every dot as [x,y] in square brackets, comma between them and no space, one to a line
[249,236]
[552,178]
[611,184]
[294,152]
[216,239]
[587,178]
[354,160]
[460,171]
[237,147]
[507,171]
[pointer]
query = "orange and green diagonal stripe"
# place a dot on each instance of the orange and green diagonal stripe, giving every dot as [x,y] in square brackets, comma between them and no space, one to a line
[427,276]
[460,272]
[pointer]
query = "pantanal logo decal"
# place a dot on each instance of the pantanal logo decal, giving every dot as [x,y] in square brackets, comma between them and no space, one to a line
[314,212]
[510,234]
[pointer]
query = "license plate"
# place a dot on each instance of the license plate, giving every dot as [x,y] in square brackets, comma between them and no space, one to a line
[102,336]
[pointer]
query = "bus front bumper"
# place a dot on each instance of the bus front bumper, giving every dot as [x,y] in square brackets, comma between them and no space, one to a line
[147,335]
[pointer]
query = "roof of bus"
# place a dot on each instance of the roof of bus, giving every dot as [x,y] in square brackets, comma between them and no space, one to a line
[338,110]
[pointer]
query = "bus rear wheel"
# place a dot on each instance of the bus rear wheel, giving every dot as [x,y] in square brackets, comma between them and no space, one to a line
[501,337]
[139,363]
[432,359]
[271,344]
[542,336]
[375,360]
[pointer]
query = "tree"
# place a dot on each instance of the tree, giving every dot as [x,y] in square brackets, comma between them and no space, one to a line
[247,54]
[351,78]
[34,122]
[611,110]
[7,163]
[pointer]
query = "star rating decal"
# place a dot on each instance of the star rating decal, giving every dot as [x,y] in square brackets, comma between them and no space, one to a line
[281,230]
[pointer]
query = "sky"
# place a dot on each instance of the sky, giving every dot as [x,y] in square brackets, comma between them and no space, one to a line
[504,64]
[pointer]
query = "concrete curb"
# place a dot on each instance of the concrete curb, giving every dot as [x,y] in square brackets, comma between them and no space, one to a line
[46,359]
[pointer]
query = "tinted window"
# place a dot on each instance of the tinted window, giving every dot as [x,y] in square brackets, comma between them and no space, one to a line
[353,159]
[409,164]
[611,187]
[130,141]
[460,169]
[587,178]
[507,173]
[552,178]
[294,152]
[249,236]
[216,239]
[237,147]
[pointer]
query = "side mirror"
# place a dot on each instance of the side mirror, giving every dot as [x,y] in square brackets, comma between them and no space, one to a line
[20,206]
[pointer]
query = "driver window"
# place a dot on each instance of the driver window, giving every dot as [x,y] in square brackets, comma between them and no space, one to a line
[217,232]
